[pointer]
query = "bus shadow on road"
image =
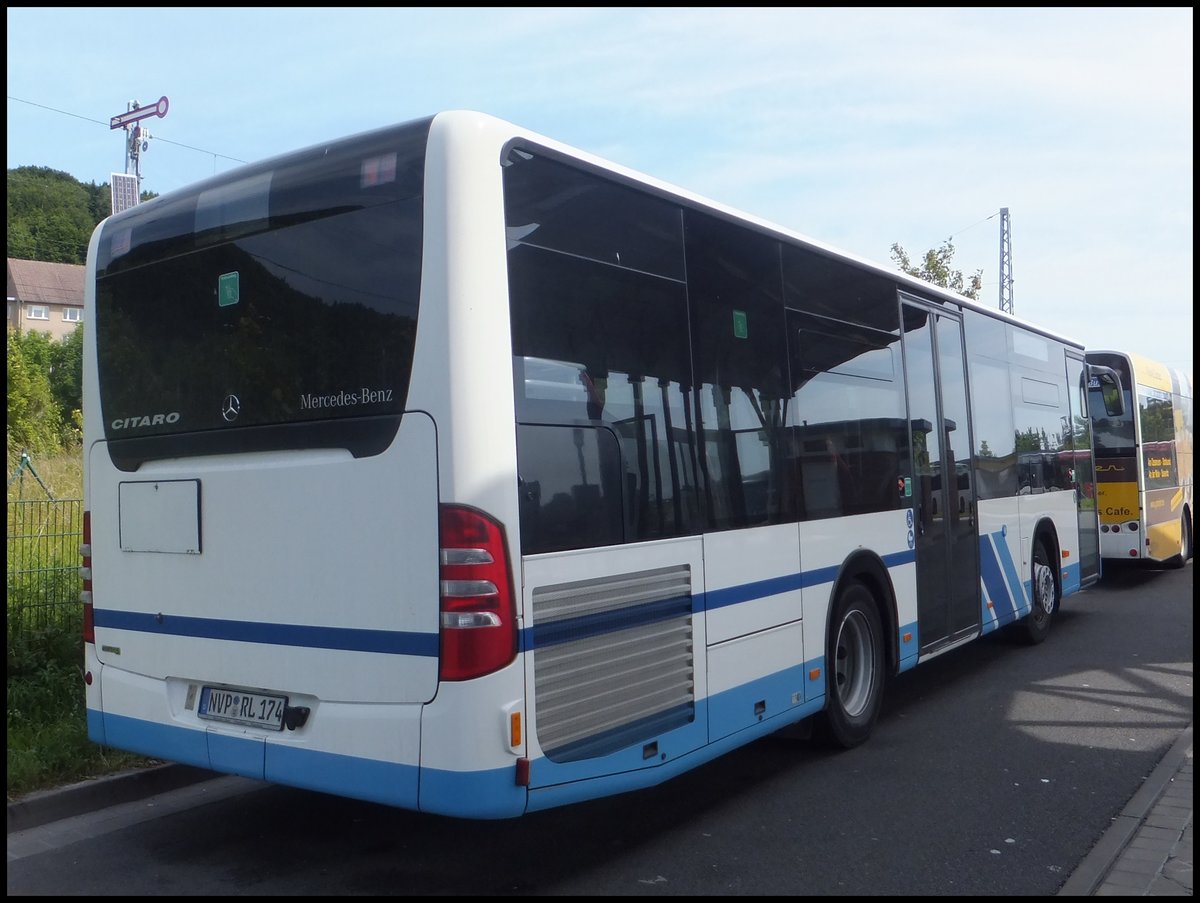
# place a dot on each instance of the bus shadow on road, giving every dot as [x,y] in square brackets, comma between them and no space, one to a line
[1123,575]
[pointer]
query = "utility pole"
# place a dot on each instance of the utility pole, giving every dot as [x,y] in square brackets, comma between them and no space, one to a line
[1006,293]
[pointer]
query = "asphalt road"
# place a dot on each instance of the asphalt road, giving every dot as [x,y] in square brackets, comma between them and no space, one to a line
[994,770]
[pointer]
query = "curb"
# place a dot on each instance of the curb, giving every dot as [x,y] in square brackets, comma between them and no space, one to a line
[1095,867]
[42,807]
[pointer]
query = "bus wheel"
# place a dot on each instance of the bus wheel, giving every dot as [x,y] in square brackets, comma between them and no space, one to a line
[854,665]
[1185,543]
[1044,593]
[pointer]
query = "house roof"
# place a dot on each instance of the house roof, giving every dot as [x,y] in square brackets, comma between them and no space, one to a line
[37,282]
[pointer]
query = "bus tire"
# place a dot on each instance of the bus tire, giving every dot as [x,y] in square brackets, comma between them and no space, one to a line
[1185,543]
[1044,595]
[854,665]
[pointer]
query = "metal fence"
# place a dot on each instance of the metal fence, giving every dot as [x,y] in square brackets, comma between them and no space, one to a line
[44,581]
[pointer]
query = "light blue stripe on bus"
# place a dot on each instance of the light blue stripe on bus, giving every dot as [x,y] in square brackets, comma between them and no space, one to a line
[477,794]
[1072,579]
[909,650]
[621,781]
[351,639]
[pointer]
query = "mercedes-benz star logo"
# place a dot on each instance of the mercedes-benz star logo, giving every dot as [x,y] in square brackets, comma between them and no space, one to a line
[231,407]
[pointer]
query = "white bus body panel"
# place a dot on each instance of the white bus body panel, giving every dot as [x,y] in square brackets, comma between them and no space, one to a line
[462,362]
[335,608]
[1059,508]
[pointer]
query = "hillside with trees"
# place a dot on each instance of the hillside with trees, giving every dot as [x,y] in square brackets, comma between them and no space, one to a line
[51,214]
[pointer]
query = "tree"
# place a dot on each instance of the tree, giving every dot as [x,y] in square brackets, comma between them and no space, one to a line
[34,423]
[45,390]
[66,374]
[51,214]
[935,267]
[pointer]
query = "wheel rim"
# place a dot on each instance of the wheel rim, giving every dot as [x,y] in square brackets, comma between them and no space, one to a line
[1043,587]
[854,663]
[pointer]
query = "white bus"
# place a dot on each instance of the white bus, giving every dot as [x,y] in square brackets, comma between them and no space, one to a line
[448,467]
[1144,463]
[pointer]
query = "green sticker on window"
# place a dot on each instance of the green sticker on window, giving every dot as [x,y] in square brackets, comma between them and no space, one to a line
[228,289]
[739,324]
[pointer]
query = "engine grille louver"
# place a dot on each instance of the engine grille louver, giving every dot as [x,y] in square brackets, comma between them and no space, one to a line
[613,661]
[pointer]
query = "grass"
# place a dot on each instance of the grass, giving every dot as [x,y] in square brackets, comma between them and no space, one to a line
[61,476]
[48,745]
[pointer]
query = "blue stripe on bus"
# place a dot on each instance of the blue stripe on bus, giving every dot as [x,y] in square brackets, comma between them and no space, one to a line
[760,589]
[1021,605]
[568,629]
[346,638]
[991,571]
[427,644]
[592,625]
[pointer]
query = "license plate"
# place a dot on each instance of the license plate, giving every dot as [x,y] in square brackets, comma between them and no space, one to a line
[242,707]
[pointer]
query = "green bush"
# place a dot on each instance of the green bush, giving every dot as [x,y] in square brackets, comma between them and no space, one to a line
[34,420]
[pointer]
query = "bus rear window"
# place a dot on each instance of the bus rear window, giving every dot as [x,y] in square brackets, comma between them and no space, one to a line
[277,301]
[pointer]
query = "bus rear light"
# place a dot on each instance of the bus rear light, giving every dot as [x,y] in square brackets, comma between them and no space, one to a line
[89,622]
[469,588]
[466,556]
[478,614]
[468,620]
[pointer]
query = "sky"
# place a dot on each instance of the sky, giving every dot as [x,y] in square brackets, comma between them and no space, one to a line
[861,128]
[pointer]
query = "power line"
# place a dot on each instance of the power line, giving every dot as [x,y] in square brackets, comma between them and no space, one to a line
[52,110]
[106,125]
[972,226]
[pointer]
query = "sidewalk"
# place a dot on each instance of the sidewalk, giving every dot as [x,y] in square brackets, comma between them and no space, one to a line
[1147,852]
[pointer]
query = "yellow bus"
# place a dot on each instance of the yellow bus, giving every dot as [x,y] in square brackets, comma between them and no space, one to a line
[1144,461]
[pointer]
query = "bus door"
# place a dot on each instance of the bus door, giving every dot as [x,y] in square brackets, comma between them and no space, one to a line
[1083,472]
[945,528]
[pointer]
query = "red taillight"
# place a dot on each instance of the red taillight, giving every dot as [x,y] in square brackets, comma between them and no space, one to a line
[89,624]
[478,616]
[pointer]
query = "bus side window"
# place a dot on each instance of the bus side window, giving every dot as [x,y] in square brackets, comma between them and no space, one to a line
[572,487]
